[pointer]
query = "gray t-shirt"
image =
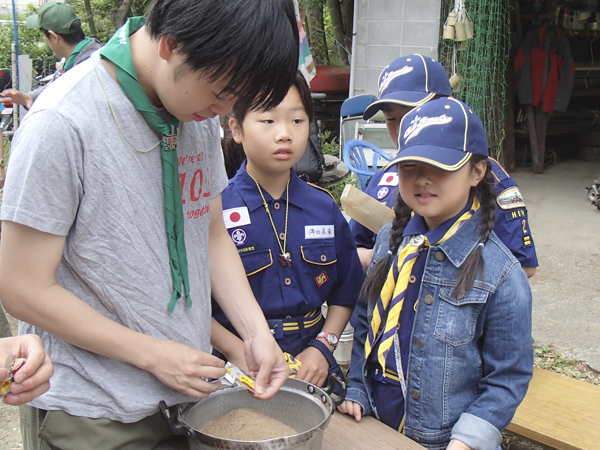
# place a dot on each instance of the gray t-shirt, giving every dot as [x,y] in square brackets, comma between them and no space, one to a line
[77,170]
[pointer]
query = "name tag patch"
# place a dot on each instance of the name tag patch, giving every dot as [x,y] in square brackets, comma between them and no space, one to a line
[389,179]
[512,215]
[319,232]
[511,198]
[236,217]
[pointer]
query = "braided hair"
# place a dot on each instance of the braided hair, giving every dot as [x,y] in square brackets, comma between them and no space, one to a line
[472,266]
[377,275]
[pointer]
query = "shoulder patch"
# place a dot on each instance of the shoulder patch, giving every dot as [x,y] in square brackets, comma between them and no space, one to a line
[322,189]
[389,179]
[510,198]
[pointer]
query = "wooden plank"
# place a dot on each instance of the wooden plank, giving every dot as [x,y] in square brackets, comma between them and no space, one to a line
[538,162]
[345,433]
[541,122]
[560,412]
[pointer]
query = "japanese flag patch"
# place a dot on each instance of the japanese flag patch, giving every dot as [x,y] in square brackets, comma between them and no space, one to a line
[236,217]
[389,179]
[510,198]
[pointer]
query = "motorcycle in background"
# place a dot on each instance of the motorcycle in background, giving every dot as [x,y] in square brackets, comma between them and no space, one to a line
[593,193]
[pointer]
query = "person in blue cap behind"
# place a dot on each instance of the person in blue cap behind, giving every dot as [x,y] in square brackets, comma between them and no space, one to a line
[442,349]
[411,81]
[294,242]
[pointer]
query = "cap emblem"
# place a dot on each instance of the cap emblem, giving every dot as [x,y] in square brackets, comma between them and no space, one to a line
[389,76]
[419,123]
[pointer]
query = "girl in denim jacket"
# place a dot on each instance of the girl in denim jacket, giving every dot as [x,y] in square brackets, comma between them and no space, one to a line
[442,351]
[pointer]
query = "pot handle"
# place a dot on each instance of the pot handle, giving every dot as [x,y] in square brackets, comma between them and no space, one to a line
[171,417]
[339,397]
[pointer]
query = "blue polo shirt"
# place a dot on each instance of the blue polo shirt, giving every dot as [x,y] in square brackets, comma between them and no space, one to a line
[387,392]
[324,263]
[511,225]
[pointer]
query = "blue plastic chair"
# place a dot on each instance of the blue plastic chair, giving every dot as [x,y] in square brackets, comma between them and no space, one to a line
[350,114]
[355,160]
[354,106]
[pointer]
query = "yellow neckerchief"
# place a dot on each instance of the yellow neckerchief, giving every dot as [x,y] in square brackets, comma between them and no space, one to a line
[394,290]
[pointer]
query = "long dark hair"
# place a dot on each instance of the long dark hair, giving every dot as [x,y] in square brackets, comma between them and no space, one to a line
[232,151]
[472,266]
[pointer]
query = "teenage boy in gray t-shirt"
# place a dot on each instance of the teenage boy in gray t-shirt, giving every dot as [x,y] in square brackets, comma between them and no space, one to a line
[113,166]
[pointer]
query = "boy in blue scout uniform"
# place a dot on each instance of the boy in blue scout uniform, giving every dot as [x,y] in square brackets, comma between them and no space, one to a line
[411,81]
[293,240]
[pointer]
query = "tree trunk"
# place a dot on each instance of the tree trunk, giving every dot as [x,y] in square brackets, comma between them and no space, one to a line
[335,12]
[90,18]
[316,34]
[348,20]
[122,13]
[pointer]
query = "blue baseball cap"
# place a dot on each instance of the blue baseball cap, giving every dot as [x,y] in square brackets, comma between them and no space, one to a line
[444,133]
[410,81]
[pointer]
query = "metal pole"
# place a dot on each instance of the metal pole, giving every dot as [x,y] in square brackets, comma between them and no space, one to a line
[353,55]
[14,56]
[15,83]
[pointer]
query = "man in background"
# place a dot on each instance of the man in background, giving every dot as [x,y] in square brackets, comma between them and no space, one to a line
[62,32]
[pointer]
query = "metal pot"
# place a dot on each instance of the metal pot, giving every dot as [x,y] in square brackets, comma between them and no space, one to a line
[298,404]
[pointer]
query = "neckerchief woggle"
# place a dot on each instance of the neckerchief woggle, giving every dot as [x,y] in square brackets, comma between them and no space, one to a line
[394,289]
[71,61]
[118,51]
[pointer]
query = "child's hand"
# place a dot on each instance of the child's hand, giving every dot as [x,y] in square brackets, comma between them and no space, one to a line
[457,445]
[352,408]
[314,368]
[31,380]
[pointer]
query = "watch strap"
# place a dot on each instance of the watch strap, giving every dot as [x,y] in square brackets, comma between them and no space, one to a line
[327,336]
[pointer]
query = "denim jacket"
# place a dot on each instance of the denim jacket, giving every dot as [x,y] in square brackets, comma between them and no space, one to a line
[471,358]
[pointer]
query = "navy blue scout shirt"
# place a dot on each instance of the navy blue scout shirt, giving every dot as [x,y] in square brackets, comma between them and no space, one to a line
[324,263]
[511,226]
[387,393]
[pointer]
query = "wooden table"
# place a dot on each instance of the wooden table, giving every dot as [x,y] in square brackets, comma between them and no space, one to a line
[345,433]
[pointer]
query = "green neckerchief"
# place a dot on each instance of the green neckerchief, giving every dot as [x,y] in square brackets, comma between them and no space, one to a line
[118,51]
[71,61]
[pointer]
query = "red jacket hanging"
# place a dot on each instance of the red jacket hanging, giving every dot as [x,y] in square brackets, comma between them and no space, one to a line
[545,69]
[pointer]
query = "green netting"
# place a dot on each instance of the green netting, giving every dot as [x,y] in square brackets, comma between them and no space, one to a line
[482,64]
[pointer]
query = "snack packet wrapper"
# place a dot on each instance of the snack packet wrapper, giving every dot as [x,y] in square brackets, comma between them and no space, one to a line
[235,377]
[12,365]
[293,363]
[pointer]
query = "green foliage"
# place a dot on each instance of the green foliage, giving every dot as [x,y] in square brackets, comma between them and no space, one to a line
[329,143]
[103,11]
[330,146]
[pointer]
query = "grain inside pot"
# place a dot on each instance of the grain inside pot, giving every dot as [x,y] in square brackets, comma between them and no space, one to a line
[247,424]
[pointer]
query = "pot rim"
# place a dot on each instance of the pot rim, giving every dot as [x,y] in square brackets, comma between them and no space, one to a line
[318,395]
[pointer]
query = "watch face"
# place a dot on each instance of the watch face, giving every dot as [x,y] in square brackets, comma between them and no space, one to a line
[332,339]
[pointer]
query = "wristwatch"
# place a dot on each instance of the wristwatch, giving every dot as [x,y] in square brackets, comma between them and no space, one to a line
[331,338]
